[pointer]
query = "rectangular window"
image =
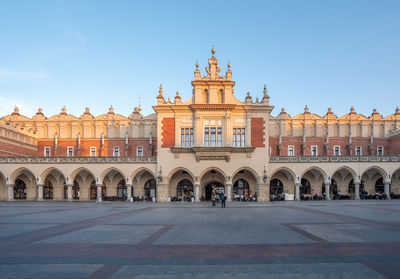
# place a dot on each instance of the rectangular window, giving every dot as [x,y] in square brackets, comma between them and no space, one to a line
[47,152]
[93,151]
[70,151]
[187,137]
[139,151]
[336,150]
[213,136]
[116,151]
[239,137]
[358,151]
[314,150]
[380,150]
[290,150]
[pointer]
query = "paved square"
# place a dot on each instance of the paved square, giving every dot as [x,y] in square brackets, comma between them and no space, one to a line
[332,239]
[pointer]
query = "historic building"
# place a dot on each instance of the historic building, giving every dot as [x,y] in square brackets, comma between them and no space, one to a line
[187,147]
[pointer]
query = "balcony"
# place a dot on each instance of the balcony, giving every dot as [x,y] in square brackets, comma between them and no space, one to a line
[213,153]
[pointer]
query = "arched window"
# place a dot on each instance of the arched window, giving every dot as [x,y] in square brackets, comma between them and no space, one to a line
[150,189]
[184,188]
[305,188]
[276,187]
[19,190]
[241,187]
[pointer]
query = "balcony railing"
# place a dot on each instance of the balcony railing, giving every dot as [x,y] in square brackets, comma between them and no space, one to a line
[332,159]
[75,160]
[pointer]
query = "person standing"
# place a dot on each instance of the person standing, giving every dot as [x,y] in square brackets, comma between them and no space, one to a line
[223,200]
[213,199]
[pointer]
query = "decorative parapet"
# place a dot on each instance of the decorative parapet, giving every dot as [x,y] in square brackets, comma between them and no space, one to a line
[75,160]
[330,159]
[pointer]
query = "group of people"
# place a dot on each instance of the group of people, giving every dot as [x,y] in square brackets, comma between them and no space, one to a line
[218,197]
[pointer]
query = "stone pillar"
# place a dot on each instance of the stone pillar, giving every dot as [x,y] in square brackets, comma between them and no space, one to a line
[387,193]
[357,190]
[197,192]
[263,192]
[162,192]
[40,192]
[297,191]
[129,191]
[69,192]
[10,192]
[229,192]
[99,188]
[327,189]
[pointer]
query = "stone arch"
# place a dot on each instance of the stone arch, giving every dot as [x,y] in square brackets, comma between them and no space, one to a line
[107,171]
[209,178]
[28,178]
[370,176]
[78,170]
[395,182]
[47,171]
[286,176]
[175,177]
[244,183]
[343,176]
[140,170]
[53,177]
[20,171]
[84,178]
[316,176]
[139,178]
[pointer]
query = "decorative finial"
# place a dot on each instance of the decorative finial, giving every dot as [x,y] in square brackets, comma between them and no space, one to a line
[397,110]
[160,91]
[352,110]
[87,110]
[169,99]
[265,90]
[374,111]
[16,111]
[40,111]
[213,51]
[197,65]
[257,100]
[229,65]
[248,93]
[283,111]
[329,110]
[111,110]
[306,110]
[177,93]
[64,110]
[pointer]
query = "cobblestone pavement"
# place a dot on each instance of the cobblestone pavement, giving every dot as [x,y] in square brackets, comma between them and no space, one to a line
[331,239]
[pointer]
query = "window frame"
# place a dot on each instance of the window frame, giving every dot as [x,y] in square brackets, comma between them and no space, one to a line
[118,153]
[382,150]
[187,137]
[141,151]
[47,148]
[334,150]
[316,150]
[212,136]
[239,137]
[290,150]
[91,151]
[68,149]
[360,149]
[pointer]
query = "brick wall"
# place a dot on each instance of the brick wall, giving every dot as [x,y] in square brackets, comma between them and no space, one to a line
[257,132]
[10,149]
[168,132]
[395,145]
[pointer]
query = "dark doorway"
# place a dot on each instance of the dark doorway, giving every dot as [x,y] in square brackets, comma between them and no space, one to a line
[213,185]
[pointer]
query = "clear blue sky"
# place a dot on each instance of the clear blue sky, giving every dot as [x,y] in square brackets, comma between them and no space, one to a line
[101,53]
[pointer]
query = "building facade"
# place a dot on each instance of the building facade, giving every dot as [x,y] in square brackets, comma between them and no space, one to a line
[188,147]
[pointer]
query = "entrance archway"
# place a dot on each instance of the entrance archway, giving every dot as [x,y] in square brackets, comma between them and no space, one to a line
[241,188]
[150,189]
[184,188]
[20,190]
[213,186]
